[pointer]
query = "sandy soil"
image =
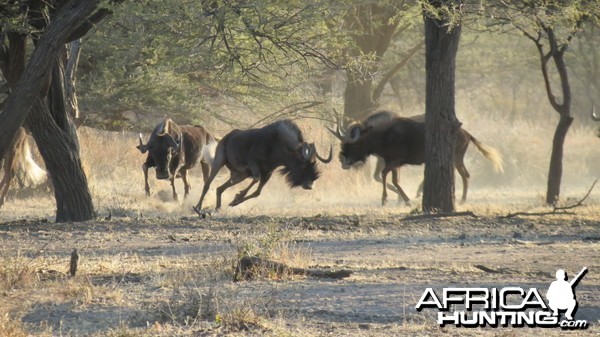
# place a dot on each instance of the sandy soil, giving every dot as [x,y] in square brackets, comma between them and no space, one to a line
[172,274]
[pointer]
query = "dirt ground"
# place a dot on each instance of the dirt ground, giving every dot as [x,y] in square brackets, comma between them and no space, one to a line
[172,275]
[151,267]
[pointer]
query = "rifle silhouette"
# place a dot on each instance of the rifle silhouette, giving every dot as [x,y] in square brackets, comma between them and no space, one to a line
[579,276]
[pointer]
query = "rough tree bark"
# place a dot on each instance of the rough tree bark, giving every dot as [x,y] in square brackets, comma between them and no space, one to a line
[441,124]
[38,85]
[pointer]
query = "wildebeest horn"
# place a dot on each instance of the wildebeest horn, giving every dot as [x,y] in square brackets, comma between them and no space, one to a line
[325,161]
[594,116]
[353,133]
[338,127]
[143,148]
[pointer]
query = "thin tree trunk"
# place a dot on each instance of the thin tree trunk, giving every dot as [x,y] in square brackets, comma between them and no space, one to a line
[441,124]
[556,159]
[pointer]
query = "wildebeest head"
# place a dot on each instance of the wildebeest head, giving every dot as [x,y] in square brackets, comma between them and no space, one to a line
[299,158]
[354,147]
[164,147]
[303,170]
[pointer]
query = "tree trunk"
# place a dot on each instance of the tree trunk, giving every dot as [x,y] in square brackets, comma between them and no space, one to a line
[441,124]
[358,97]
[60,152]
[556,158]
[38,98]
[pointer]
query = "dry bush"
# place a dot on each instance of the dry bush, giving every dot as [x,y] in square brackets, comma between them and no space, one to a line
[17,272]
[10,327]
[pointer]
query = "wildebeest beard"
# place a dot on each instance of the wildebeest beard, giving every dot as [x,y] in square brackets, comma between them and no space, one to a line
[356,159]
[298,175]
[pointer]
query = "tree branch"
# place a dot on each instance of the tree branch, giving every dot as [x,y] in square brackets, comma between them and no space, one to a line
[388,76]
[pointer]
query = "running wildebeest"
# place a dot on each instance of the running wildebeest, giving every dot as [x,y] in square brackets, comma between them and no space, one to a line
[19,155]
[173,150]
[400,141]
[256,153]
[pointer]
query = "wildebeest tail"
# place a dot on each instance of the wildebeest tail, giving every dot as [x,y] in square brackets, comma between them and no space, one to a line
[34,173]
[208,152]
[490,153]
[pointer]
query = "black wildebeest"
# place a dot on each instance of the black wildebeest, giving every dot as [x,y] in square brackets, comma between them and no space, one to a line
[256,153]
[18,155]
[400,141]
[173,150]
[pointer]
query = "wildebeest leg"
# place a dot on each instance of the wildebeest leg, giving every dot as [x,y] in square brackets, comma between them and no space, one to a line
[377,176]
[462,170]
[243,192]
[384,174]
[205,170]
[216,166]
[263,180]
[235,178]
[186,184]
[146,185]
[397,185]
[172,179]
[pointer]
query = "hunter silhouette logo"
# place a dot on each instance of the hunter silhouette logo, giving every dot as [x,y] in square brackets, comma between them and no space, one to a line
[508,306]
[561,294]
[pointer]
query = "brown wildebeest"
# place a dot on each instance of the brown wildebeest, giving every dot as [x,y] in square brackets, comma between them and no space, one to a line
[173,150]
[400,141]
[256,153]
[18,155]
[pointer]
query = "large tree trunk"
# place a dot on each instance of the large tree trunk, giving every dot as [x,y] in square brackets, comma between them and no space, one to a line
[40,86]
[441,124]
[60,151]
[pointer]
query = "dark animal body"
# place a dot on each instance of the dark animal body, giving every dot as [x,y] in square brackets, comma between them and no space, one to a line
[174,149]
[400,141]
[18,155]
[256,153]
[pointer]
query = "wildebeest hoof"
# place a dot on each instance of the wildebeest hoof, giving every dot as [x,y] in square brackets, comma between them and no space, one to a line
[203,213]
[148,193]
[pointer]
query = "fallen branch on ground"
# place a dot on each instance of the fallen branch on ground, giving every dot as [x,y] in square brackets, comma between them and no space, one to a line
[556,210]
[249,265]
[439,215]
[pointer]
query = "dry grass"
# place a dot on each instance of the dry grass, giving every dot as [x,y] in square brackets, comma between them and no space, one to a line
[157,270]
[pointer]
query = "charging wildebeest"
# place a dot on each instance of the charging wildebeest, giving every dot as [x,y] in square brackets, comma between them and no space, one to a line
[18,155]
[256,153]
[400,141]
[173,150]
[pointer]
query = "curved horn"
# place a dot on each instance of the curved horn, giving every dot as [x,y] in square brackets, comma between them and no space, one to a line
[338,127]
[353,133]
[325,161]
[143,148]
[594,116]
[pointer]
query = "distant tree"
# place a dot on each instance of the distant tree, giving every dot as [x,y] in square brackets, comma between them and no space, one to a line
[38,95]
[551,26]
[442,35]
[371,27]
